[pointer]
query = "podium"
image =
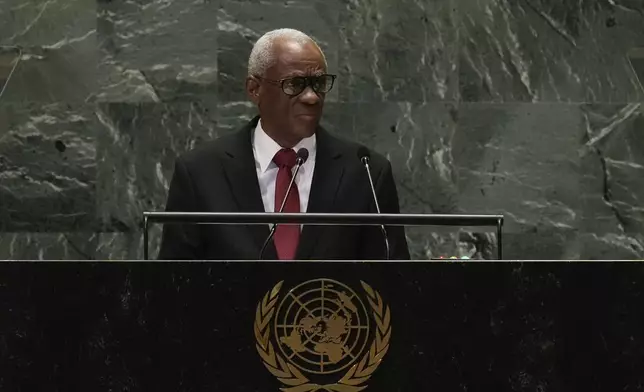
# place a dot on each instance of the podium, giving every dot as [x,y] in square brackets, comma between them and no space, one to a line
[264,218]
[321,326]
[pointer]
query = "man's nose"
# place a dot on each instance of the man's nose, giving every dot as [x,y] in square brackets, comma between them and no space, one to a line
[309,96]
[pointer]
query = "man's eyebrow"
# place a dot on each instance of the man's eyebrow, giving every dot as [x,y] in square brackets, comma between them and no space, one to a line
[291,74]
[302,74]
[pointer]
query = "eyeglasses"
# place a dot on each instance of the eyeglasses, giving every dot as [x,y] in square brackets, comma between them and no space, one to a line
[321,84]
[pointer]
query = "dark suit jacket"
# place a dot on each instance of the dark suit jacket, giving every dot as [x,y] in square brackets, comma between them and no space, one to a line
[220,176]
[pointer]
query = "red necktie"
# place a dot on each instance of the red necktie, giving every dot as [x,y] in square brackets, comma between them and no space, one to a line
[286,236]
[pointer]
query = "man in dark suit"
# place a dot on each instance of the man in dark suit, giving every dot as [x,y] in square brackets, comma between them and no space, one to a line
[249,171]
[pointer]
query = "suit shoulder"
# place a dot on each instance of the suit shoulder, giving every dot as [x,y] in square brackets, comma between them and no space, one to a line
[206,151]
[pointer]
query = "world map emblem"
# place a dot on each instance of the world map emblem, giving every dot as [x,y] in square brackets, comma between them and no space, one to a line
[321,335]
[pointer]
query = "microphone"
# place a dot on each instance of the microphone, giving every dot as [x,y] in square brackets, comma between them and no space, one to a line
[302,156]
[364,155]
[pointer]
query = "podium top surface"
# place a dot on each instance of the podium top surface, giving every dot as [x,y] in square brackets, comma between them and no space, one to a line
[430,261]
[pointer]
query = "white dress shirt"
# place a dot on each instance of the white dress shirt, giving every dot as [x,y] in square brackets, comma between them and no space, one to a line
[264,149]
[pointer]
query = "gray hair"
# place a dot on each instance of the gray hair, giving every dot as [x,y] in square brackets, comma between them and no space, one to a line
[262,56]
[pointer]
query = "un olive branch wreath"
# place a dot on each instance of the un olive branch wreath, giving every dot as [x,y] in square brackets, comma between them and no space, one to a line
[289,375]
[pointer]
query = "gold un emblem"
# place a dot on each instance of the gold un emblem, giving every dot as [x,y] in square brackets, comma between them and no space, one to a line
[319,331]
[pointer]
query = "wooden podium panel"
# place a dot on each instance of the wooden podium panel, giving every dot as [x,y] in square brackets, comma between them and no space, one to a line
[327,326]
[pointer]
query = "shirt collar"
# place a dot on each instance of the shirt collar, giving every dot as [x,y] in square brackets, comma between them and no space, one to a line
[265,147]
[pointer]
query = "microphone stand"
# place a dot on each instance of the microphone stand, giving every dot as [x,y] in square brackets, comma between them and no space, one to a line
[365,162]
[299,164]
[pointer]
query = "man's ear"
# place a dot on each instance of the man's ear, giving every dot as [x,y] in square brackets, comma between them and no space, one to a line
[253,89]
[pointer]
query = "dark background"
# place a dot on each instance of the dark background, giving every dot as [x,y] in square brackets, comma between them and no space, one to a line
[529,108]
[544,327]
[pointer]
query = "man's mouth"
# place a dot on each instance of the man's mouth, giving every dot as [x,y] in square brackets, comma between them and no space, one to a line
[307,115]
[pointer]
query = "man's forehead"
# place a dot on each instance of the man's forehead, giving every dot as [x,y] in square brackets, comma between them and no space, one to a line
[300,65]
[287,71]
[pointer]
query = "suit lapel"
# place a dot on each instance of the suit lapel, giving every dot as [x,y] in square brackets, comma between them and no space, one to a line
[327,176]
[241,174]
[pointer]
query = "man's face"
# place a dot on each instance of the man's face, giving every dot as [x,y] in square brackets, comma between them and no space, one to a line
[289,118]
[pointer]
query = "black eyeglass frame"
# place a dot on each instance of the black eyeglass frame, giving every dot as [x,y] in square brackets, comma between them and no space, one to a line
[308,81]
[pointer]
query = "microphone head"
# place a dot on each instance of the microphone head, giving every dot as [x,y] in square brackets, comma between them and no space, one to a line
[302,155]
[363,152]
